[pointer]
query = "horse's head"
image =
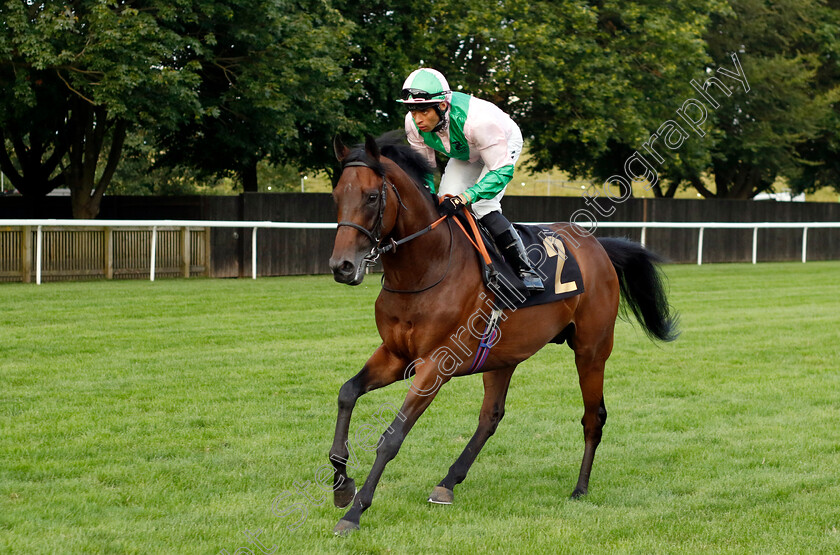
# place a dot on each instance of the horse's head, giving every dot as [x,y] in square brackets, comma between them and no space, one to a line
[364,215]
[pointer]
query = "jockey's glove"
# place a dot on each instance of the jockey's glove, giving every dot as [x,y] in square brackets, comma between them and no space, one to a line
[451,205]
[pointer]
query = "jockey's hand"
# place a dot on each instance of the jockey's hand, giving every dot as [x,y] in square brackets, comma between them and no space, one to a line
[451,205]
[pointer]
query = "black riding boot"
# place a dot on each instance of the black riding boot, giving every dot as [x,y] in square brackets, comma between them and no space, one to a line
[508,240]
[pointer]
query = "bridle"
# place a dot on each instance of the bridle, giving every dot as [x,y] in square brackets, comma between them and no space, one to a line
[375,233]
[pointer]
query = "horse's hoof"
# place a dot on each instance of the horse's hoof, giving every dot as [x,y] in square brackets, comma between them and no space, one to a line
[578,493]
[442,496]
[345,527]
[344,496]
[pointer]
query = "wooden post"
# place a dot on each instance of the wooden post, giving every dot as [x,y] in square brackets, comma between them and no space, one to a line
[254,254]
[26,254]
[109,252]
[39,253]
[185,252]
[208,259]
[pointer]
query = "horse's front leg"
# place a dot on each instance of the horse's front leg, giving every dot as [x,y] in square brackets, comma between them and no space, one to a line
[427,382]
[383,368]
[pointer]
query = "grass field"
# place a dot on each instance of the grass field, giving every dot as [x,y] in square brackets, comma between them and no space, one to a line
[166,417]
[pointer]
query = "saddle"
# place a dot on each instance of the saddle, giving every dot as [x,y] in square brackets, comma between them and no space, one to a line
[549,257]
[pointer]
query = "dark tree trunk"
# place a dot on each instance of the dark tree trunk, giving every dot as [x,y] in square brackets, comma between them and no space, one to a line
[35,178]
[89,126]
[741,181]
[248,175]
[697,183]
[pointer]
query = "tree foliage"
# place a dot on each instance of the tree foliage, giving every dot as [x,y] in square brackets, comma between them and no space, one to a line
[225,83]
[83,72]
[786,126]
[216,87]
[820,155]
[273,85]
[590,82]
[584,80]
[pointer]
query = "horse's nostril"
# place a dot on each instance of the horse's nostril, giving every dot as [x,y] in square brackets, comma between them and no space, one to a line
[343,268]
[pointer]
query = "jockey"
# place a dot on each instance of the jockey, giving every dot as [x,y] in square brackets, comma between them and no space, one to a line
[483,145]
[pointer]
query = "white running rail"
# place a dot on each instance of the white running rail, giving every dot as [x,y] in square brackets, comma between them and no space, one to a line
[254,226]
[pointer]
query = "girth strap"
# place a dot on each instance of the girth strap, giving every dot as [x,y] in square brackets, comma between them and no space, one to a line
[487,341]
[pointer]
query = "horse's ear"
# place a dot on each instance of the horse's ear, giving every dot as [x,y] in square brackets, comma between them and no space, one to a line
[341,151]
[371,147]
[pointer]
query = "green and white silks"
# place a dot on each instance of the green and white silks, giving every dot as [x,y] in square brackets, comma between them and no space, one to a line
[483,145]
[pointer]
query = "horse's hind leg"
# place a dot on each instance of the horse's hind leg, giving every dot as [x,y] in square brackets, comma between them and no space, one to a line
[381,369]
[590,360]
[492,410]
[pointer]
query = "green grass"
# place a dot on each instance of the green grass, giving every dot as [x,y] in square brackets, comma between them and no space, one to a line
[165,417]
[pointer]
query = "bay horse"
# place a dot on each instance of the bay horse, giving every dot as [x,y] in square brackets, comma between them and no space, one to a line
[432,285]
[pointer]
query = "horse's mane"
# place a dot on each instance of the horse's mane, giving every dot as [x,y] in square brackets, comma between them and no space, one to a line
[394,146]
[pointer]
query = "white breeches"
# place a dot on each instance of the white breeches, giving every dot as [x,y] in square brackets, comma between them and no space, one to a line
[458,176]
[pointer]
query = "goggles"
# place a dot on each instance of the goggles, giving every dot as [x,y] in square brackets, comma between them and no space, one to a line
[415,95]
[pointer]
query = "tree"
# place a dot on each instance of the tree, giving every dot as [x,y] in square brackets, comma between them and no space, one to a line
[226,81]
[820,155]
[762,135]
[390,40]
[584,80]
[613,73]
[273,84]
[37,137]
[81,74]
[139,175]
[591,83]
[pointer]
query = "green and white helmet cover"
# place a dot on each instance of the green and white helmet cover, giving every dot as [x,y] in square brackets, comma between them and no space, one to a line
[425,86]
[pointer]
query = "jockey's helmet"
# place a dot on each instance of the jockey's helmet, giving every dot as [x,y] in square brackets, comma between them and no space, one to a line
[427,88]
[424,88]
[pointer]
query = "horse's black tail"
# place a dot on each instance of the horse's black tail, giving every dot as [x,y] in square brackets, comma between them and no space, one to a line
[642,287]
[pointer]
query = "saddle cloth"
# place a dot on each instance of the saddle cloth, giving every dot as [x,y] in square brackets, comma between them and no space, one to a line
[550,259]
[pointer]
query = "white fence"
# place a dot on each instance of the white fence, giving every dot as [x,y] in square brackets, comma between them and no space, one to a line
[701,226]
[154,225]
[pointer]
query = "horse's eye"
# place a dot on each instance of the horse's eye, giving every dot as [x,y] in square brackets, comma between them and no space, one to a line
[372,198]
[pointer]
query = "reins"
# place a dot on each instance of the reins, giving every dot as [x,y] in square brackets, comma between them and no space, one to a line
[445,273]
[394,244]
